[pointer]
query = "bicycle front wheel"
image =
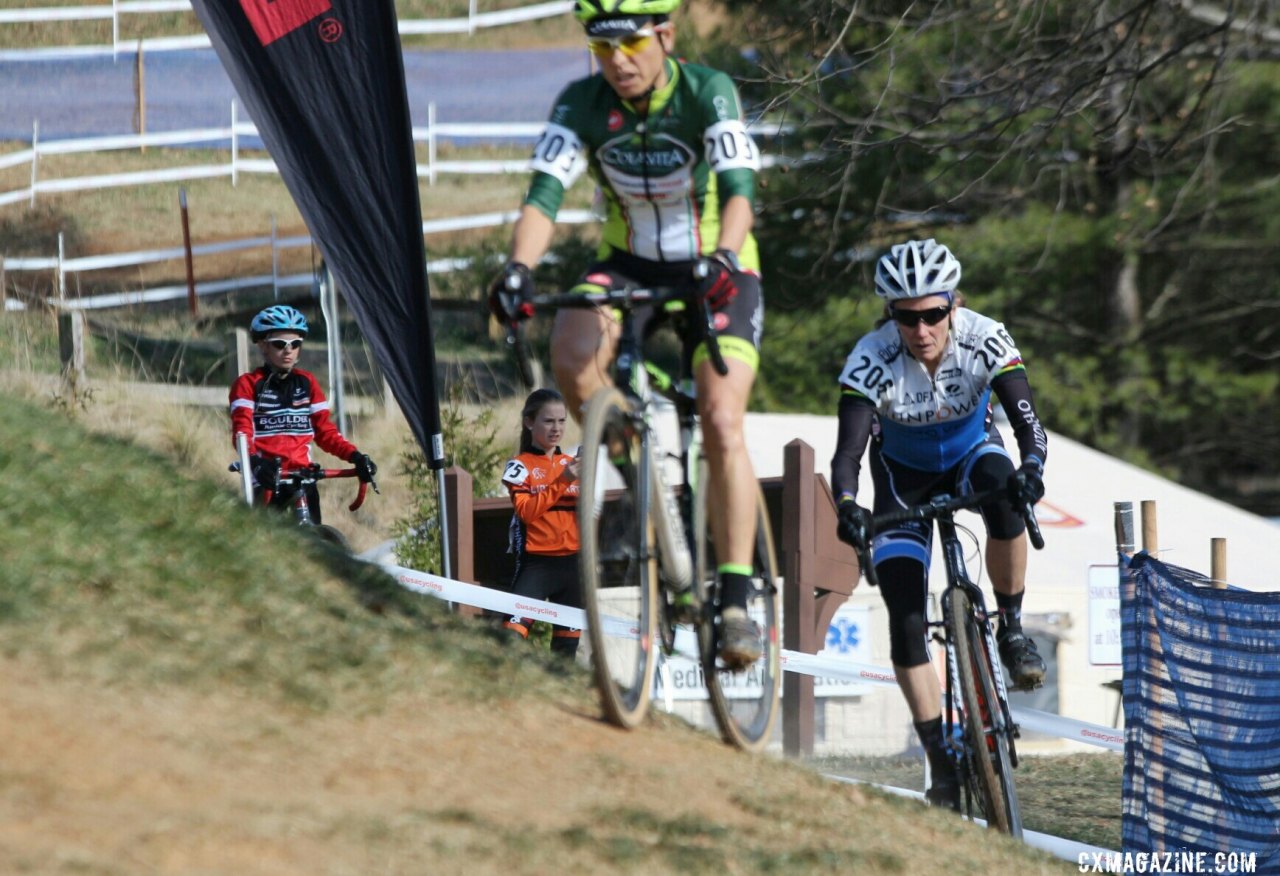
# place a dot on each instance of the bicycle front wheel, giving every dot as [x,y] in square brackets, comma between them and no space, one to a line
[616,559]
[328,534]
[988,767]
[744,704]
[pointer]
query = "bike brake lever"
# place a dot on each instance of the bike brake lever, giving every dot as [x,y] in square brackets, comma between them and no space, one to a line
[868,570]
[712,338]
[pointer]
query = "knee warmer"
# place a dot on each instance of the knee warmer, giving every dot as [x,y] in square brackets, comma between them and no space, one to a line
[904,586]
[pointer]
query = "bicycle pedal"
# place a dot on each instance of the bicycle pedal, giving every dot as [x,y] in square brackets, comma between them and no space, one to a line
[684,608]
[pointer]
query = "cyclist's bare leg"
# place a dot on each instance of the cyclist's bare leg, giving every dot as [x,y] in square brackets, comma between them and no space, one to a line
[582,347]
[921,689]
[722,405]
[1007,563]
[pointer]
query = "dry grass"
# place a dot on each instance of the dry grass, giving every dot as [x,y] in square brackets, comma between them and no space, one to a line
[198,439]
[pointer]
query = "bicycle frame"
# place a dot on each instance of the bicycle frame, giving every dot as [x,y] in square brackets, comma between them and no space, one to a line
[958,577]
[991,729]
[671,569]
[673,522]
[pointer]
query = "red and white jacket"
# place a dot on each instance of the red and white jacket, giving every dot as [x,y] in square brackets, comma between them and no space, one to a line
[282,414]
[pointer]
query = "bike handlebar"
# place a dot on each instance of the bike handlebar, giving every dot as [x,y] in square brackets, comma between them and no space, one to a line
[944,506]
[301,477]
[626,298]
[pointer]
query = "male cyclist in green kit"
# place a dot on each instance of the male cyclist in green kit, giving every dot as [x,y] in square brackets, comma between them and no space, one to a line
[668,146]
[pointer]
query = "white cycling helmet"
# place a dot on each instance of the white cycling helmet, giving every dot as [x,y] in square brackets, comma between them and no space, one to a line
[917,269]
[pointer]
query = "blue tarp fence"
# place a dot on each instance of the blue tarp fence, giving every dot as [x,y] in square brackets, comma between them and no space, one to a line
[1202,715]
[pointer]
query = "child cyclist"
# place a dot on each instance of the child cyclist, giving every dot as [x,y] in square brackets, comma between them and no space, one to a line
[282,409]
[543,483]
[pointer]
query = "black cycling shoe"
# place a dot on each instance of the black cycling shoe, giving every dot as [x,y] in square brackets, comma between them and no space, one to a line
[1019,656]
[944,792]
[739,646]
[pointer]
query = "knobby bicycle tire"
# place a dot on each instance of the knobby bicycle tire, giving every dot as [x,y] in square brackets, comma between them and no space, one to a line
[978,765]
[616,558]
[999,753]
[745,721]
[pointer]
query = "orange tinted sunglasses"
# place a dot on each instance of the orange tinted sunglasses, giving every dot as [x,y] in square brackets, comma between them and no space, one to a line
[630,45]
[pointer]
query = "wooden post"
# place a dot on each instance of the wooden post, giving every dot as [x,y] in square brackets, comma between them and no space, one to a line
[237,353]
[461,511]
[71,348]
[186,246]
[1124,527]
[1218,562]
[798,598]
[1149,541]
[139,96]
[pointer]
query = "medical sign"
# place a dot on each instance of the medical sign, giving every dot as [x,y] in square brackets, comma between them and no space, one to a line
[1104,616]
[848,638]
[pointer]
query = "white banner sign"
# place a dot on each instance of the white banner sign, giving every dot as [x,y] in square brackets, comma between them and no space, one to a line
[1104,616]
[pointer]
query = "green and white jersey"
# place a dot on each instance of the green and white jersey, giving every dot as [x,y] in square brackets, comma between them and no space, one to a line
[664,174]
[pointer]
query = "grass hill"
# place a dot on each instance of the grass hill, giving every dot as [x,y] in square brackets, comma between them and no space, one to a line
[194,687]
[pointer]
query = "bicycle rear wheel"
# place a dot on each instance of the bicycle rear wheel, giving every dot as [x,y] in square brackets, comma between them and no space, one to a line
[744,704]
[616,560]
[989,772]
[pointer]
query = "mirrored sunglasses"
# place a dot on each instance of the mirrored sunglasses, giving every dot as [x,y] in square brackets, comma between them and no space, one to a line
[629,45]
[281,344]
[912,318]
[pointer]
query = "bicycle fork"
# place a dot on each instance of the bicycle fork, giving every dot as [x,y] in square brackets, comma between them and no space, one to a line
[674,556]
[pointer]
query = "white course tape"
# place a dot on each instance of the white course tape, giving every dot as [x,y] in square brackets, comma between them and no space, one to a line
[1029,719]
[501,601]
[1065,849]
[792,661]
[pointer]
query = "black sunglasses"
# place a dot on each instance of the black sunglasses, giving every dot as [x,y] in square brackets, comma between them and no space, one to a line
[912,318]
[281,344]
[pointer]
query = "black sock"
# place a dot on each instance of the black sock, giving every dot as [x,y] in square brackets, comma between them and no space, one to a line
[735,589]
[1010,613]
[930,733]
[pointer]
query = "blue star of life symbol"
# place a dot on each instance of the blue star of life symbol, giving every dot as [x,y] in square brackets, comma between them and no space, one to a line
[842,635]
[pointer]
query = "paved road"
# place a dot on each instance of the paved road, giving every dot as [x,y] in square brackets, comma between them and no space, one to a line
[94,96]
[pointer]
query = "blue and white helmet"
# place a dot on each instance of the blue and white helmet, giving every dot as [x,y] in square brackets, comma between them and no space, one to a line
[278,318]
[917,269]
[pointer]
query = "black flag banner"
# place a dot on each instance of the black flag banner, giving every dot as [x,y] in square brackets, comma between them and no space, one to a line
[323,80]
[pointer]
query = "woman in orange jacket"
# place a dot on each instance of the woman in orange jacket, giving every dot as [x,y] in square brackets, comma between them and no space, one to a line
[543,483]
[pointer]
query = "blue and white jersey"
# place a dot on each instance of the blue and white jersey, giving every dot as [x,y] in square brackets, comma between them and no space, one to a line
[930,423]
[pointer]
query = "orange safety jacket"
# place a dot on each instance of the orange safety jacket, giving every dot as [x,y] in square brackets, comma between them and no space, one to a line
[545,520]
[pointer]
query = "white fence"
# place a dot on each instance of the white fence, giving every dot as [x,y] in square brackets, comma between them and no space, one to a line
[429,134]
[473,21]
[63,267]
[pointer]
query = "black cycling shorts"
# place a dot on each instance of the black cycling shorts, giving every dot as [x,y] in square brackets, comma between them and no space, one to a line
[553,579]
[738,326]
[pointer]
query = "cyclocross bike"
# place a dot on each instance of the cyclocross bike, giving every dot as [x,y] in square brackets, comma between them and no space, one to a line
[978,721]
[647,562]
[294,484]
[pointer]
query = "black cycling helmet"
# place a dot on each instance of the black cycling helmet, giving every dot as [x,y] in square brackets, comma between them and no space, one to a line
[277,318]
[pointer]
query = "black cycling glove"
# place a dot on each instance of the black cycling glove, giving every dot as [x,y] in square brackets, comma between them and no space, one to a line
[365,467]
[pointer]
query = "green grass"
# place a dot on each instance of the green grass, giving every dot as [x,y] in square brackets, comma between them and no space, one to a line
[119,566]
[1073,796]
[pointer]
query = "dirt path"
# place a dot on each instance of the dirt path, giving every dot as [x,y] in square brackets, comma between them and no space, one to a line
[105,781]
